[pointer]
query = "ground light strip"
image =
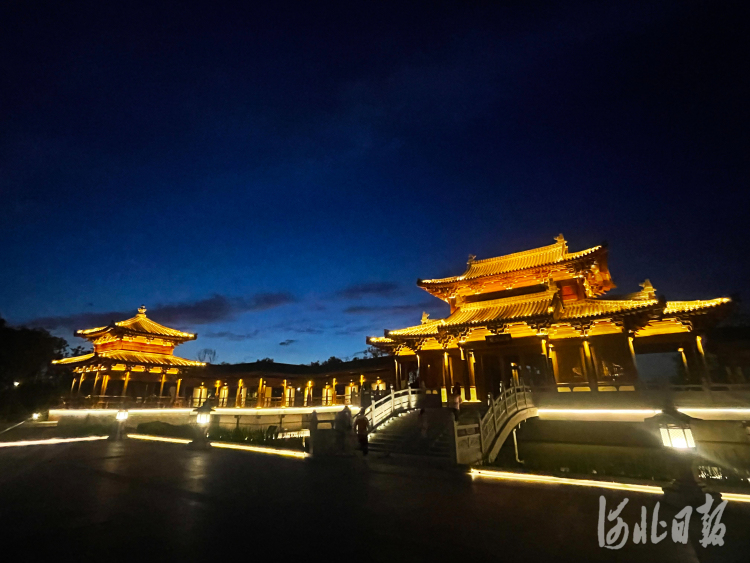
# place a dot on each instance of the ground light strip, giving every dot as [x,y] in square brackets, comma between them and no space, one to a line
[698,410]
[256,449]
[259,449]
[159,438]
[735,497]
[599,411]
[531,478]
[51,441]
[257,411]
[87,412]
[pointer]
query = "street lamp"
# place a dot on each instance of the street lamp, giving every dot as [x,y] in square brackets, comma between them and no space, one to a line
[676,434]
[202,420]
[118,428]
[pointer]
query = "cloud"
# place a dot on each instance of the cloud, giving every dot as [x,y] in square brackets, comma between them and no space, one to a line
[362,329]
[371,289]
[298,327]
[391,309]
[233,336]
[203,311]
[306,330]
[287,342]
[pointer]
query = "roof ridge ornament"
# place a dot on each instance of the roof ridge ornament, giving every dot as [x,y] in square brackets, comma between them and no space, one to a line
[562,242]
[472,257]
[142,310]
[425,317]
[648,291]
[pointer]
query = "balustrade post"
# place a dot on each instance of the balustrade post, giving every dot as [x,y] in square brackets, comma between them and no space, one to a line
[393,401]
[492,413]
[409,392]
[481,433]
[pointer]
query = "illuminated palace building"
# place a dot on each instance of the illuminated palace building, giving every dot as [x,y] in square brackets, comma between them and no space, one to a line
[133,362]
[135,357]
[540,315]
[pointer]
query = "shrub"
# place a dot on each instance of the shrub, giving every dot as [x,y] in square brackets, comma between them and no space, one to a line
[157,428]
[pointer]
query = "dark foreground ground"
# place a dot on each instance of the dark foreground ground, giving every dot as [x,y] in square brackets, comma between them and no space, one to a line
[147,501]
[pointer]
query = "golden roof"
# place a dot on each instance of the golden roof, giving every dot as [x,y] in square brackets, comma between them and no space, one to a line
[598,307]
[74,359]
[674,307]
[533,305]
[379,340]
[482,312]
[149,358]
[533,258]
[133,358]
[142,324]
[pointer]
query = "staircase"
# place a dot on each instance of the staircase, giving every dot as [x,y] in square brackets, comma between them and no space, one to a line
[403,435]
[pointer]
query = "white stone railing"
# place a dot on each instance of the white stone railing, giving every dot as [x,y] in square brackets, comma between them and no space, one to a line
[393,403]
[480,441]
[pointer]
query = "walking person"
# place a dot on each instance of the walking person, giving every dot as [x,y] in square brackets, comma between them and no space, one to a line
[339,424]
[456,401]
[346,416]
[313,429]
[423,425]
[362,425]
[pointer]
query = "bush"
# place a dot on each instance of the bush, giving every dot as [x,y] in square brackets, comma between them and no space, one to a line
[157,428]
[254,437]
[85,429]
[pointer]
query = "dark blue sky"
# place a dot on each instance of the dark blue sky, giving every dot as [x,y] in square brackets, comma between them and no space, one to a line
[276,178]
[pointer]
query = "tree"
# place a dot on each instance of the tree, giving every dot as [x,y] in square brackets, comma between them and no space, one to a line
[207,355]
[264,361]
[26,354]
[78,351]
[333,361]
[373,352]
[25,358]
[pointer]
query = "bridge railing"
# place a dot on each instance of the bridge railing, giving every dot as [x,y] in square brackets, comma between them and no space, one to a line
[474,441]
[393,403]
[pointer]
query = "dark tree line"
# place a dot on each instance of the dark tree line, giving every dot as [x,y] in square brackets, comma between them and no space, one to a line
[28,381]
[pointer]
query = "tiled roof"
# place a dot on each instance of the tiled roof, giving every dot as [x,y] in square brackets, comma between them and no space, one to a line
[142,324]
[482,312]
[542,256]
[379,340]
[74,359]
[598,307]
[133,358]
[523,307]
[146,358]
[687,306]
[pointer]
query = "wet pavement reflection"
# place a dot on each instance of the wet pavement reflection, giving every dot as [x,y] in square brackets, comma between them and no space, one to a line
[132,500]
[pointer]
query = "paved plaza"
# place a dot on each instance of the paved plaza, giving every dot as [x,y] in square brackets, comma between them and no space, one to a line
[135,501]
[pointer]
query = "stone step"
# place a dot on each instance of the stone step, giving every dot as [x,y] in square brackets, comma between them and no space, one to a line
[403,435]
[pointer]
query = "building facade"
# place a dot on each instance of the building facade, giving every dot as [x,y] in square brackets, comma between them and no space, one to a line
[134,357]
[540,316]
[133,364]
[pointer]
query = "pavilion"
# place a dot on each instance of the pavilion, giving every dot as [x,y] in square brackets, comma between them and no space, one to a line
[539,315]
[133,362]
[135,355]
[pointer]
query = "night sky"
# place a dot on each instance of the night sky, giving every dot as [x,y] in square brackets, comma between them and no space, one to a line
[276,178]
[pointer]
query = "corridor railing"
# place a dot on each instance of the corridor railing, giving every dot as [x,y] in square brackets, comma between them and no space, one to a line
[480,441]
